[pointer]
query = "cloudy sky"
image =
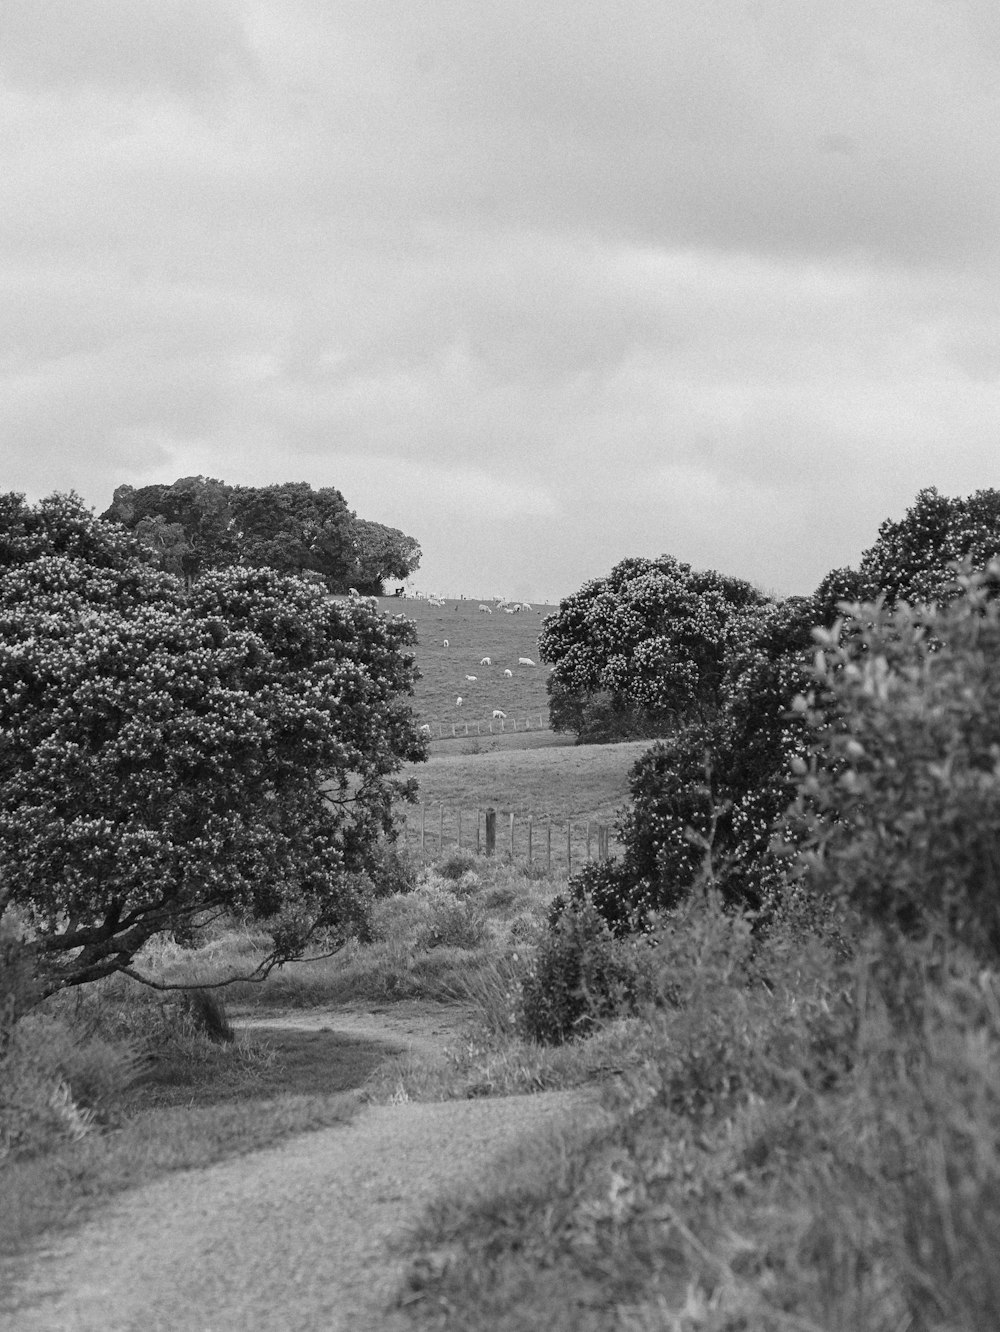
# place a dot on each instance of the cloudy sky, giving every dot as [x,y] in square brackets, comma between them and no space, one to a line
[545,283]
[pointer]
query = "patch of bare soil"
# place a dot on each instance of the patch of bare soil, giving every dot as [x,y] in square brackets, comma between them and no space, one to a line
[304,1236]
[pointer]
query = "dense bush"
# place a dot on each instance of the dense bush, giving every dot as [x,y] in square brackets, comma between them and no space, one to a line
[580,976]
[705,802]
[900,808]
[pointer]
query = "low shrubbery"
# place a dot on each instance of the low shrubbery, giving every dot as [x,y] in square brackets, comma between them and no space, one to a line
[580,975]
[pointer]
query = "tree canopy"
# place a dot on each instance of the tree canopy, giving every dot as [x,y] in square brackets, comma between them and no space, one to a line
[166,750]
[914,556]
[199,523]
[654,641]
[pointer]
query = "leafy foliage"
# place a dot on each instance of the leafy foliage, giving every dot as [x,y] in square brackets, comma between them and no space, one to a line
[655,637]
[705,800]
[899,809]
[581,976]
[913,557]
[163,751]
[379,553]
[199,523]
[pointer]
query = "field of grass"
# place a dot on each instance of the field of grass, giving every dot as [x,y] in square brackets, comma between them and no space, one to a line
[558,782]
[471,636]
[566,790]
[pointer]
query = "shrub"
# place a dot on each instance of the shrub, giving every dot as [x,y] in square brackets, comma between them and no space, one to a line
[581,976]
[899,815]
[56,1078]
[455,865]
[392,869]
[19,990]
[451,923]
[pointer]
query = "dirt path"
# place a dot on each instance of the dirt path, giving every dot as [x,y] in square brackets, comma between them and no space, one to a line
[296,1237]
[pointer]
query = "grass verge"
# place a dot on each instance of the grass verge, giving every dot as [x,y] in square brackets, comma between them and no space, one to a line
[790,1147]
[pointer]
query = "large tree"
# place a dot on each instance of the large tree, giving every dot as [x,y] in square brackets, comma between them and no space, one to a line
[647,647]
[295,529]
[187,526]
[232,746]
[199,523]
[381,552]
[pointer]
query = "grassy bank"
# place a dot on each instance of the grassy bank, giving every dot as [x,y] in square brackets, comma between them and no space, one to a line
[789,1147]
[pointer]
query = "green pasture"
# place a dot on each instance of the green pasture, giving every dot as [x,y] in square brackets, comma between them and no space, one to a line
[557,782]
[471,636]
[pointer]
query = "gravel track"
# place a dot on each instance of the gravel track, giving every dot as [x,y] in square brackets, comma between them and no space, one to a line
[295,1238]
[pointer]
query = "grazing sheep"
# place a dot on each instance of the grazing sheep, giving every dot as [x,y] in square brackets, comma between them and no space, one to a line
[484,610]
[508,610]
[471,678]
[525,661]
[526,605]
[446,643]
[509,675]
[459,701]
[353,592]
[498,715]
[486,661]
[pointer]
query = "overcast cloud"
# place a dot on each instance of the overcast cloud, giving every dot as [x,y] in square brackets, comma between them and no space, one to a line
[544,285]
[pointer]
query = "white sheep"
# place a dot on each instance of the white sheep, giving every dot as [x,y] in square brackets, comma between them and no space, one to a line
[509,675]
[353,592]
[498,715]
[459,701]
[484,610]
[525,661]
[446,643]
[425,730]
[486,661]
[471,678]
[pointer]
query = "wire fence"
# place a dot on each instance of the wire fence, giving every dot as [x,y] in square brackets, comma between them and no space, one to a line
[432,831]
[536,721]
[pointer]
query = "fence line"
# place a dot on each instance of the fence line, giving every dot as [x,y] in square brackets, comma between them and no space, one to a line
[536,840]
[501,726]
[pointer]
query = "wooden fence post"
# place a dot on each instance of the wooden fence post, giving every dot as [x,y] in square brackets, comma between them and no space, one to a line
[491,831]
[479,844]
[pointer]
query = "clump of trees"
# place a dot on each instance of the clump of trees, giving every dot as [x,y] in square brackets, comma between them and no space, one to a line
[710,797]
[198,524]
[169,749]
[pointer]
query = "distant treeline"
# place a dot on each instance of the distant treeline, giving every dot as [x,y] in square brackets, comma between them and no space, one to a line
[199,523]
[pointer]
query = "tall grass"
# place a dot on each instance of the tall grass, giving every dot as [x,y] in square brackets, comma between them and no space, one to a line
[791,1148]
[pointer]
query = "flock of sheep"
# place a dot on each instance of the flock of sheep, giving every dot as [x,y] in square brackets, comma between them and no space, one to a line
[488,661]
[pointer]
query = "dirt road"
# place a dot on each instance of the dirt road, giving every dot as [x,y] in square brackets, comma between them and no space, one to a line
[303,1236]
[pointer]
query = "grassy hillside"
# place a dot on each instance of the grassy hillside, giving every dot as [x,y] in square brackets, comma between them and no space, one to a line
[471,636]
[565,790]
[562,783]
